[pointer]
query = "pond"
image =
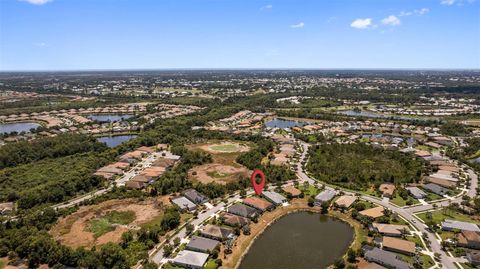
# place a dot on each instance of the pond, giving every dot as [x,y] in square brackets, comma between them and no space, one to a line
[281,123]
[300,240]
[113,141]
[109,117]
[6,128]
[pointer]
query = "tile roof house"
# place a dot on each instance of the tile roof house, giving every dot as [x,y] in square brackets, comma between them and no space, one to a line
[183,203]
[194,196]
[190,259]
[398,245]
[385,258]
[442,182]
[217,232]
[469,239]
[345,201]
[274,197]
[234,220]
[387,189]
[389,229]
[449,225]
[473,257]
[375,212]
[243,211]
[258,203]
[292,190]
[202,244]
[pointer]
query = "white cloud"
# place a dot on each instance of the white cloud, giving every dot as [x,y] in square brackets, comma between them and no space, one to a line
[267,7]
[298,25]
[405,13]
[37,2]
[362,23]
[448,2]
[391,20]
[421,11]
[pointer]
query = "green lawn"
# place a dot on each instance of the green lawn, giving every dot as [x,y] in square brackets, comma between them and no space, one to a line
[440,215]
[211,264]
[467,266]
[2,264]
[225,147]
[103,225]
[310,191]
[415,239]
[427,261]
[123,217]
[100,227]
[398,200]
[432,196]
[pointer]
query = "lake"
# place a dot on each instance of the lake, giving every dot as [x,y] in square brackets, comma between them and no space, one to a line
[113,141]
[300,240]
[109,117]
[6,128]
[281,123]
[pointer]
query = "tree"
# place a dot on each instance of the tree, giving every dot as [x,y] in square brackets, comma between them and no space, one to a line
[189,227]
[351,255]
[167,250]
[176,241]
[339,263]
[324,207]
[311,201]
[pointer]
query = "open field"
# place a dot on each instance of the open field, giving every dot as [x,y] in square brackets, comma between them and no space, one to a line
[440,215]
[224,168]
[106,222]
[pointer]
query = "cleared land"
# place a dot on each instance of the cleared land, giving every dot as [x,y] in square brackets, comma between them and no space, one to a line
[224,168]
[106,222]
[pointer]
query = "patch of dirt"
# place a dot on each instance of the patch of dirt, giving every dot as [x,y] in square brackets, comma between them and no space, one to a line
[218,173]
[73,231]
[240,147]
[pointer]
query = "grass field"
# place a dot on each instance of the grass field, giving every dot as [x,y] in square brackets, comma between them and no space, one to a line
[225,147]
[440,215]
[2,264]
[211,264]
[432,196]
[124,217]
[427,261]
[103,225]
[398,200]
[100,227]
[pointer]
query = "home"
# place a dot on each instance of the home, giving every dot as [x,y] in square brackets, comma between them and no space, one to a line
[442,182]
[292,190]
[469,239]
[234,220]
[258,203]
[449,225]
[345,201]
[190,259]
[274,197]
[183,203]
[385,258]
[389,229]
[324,196]
[217,232]
[398,245]
[202,244]
[194,196]
[473,257]
[416,192]
[435,189]
[375,212]
[243,211]
[387,189]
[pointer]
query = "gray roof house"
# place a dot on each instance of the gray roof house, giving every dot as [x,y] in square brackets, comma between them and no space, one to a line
[274,197]
[190,259]
[449,225]
[385,258]
[435,188]
[194,196]
[202,244]
[217,232]
[184,204]
[324,196]
[416,192]
[243,210]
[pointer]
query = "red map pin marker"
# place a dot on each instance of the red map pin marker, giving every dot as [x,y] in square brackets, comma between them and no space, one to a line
[258,187]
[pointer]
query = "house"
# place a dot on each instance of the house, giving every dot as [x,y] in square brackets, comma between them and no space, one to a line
[468,239]
[202,244]
[274,197]
[473,257]
[243,211]
[389,229]
[134,185]
[217,232]
[6,208]
[258,203]
[442,182]
[183,203]
[194,196]
[387,189]
[416,192]
[324,196]
[234,220]
[423,154]
[398,245]
[375,212]
[345,201]
[292,190]
[190,259]
[435,189]
[449,225]
[385,258]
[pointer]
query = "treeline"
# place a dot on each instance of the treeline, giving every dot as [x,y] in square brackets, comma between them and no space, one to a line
[454,129]
[359,165]
[52,147]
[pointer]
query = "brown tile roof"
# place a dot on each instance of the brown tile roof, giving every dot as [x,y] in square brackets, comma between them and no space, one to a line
[442,182]
[398,244]
[345,200]
[374,212]
[257,203]
[292,190]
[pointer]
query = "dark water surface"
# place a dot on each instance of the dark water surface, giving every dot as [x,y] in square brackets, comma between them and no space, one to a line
[6,128]
[113,141]
[281,123]
[300,240]
[109,117]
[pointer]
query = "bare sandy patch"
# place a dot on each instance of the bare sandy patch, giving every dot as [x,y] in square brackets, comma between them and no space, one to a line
[218,173]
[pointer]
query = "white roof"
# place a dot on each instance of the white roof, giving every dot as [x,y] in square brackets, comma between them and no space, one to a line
[188,257]
[460,225]
[183,203]
[274,197]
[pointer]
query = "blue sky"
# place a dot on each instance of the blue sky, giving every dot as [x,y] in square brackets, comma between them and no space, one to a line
[161,34]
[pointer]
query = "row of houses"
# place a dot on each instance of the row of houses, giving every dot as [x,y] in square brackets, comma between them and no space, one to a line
[286,150]
[468,237]
[189,200]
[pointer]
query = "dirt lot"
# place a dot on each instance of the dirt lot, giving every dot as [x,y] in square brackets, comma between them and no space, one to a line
[224,168]
[73,230]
